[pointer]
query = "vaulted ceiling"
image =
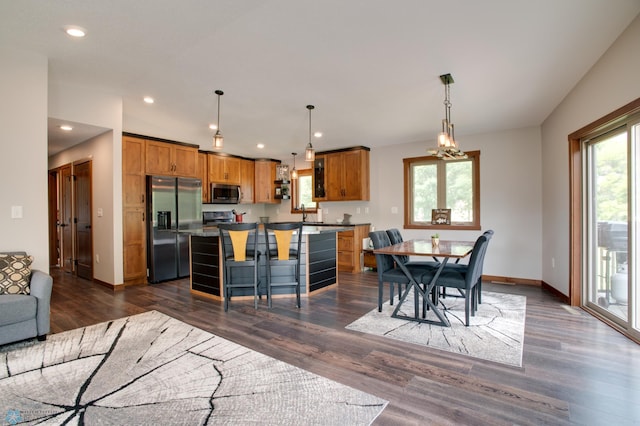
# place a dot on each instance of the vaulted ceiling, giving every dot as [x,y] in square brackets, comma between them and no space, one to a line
[370,67]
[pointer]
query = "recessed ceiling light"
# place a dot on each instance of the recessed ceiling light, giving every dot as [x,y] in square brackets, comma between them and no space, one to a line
[318,134]
[75,31]
[148,99]
[213,127]
[66,128]
[260,146]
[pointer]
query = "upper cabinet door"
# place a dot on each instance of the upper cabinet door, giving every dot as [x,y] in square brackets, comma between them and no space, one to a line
[185,160]
[265,174]
[224,169]
[247,176]
[158,158]
[169,159]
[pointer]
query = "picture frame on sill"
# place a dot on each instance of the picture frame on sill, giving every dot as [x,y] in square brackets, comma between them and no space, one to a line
[441,216]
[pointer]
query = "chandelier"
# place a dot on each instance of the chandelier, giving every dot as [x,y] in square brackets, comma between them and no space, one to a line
[309,152]
[447,147]
[218,140]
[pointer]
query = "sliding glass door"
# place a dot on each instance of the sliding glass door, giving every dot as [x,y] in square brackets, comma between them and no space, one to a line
[611,185]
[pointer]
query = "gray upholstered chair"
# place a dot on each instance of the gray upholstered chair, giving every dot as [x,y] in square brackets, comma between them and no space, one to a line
[283,248]
[240,259]
[388,272]
[465,280]
[462,267]
[24,316]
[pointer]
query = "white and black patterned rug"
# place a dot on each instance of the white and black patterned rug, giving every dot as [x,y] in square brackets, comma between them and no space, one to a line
[495,333]
[153,369]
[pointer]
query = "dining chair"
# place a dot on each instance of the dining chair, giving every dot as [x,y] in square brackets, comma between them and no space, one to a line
[283,249]
[462,267]
[465,281]
[387,270]
[240,259]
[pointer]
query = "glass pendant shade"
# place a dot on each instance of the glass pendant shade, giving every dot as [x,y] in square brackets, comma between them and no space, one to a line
[218,140]
[294,172]
[309,152]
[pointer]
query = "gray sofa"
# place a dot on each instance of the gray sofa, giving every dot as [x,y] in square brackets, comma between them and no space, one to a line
[26,316]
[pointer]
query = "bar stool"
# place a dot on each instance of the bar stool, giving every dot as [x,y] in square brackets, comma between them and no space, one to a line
[240,259]
[283,250]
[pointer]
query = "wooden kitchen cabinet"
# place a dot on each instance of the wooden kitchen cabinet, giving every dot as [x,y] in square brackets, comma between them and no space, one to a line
[203,175]
[133,210]
[224,169]
[342,175]
[171,159]
[247,181]
[265,175]
[319,178]
[350,248]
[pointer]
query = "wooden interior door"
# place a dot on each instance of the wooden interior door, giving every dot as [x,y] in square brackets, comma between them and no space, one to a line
[54,253]
[84,245]
[66,219]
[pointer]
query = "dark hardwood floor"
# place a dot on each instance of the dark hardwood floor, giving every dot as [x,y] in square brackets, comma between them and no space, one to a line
[576,370]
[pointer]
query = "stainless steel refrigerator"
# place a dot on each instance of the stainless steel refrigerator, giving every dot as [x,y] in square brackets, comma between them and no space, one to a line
[174,208]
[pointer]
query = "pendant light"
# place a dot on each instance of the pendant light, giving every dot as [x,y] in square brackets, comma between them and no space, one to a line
[447,147]
[294,172]
[218,140]
[309,153]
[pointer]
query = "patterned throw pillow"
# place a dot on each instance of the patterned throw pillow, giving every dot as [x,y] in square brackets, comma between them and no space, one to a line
[15,273]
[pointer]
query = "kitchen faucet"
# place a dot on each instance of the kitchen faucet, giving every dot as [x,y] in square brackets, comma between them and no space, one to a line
[304,213]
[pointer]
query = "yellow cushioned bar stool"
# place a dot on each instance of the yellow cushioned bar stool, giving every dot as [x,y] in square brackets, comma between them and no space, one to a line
[240,259]
[283,248]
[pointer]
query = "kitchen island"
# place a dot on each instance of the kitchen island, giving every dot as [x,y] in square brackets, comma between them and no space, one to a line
[318,266]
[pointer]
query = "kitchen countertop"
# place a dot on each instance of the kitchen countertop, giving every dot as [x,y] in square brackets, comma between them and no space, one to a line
[308,228]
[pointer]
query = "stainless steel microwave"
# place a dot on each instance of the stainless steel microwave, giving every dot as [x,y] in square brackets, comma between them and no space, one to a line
[225,194]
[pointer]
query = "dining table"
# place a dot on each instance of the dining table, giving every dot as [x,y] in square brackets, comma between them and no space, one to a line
[442,252]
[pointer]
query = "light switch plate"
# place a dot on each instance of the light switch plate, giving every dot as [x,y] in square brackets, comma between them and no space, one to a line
[16,212]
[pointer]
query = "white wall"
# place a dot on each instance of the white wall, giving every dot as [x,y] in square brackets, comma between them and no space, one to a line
[98,108]
[98,150]
[23,163]
[510,198]
[612,83]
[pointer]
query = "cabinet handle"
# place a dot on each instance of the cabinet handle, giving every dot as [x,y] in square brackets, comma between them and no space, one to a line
[142,198]
[143,216]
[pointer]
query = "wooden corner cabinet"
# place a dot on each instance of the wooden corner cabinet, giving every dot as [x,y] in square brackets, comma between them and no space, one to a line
[247,181]
[342,175]
[265,175]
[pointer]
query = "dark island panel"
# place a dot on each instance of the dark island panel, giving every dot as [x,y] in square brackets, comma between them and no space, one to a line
[322,260]
[205,265]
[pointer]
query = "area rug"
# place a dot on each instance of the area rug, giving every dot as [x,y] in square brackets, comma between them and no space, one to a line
[495,333]
[153,369]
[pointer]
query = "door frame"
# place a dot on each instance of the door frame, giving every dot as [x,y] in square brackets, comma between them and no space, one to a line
[576,272]
[55,190]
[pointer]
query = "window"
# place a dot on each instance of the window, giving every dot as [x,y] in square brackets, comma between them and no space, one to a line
[302,192]
[432,183]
